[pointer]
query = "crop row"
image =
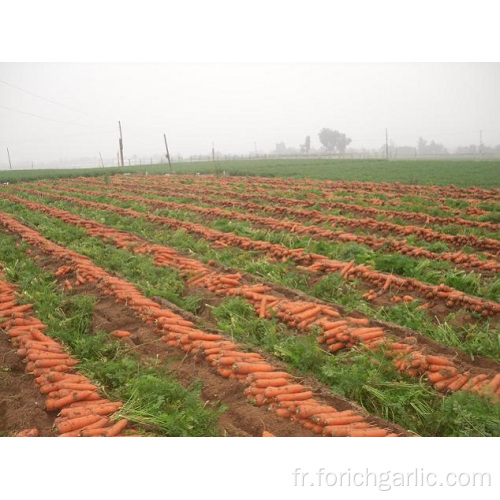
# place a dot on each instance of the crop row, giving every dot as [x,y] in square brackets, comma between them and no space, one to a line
[319,263]
[489,245]
[336,333]
[170,187]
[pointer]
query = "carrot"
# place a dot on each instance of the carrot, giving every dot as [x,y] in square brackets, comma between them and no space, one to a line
[309,313]
[28,433]
[458,383]
[97,409]
[267,434]
[247,368]
[53,377]
[336,347]
[262,311]
[494,385]
[443,384]
[271,392]
[121,334]
[51,362]
[266,375]
[56,386]
[56,404]
[438,360]
[295,396]
[273,382]
[368,433]
[76,423]
[473,381]
[283,413]
[341,420]
[344,430]
[307,411]
[34,355]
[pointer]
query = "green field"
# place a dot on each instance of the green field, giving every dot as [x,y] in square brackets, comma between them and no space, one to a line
[463,173]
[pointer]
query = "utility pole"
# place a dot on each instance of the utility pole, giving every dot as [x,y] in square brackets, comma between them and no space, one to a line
[386,145]
[168,154]
[213,152]
[102,163]
[8,154]
[480,144]
[121,145]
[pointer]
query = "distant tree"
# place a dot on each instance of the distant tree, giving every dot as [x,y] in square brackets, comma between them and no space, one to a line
[306,147]
[333,140]
[432,148]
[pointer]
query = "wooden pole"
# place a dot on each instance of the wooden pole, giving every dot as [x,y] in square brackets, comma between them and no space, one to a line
[386,145]
[8,154]
[121,145]
[102,163]
[168,154]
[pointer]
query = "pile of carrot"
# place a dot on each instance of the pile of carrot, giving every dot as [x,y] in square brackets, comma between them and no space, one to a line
[82,411]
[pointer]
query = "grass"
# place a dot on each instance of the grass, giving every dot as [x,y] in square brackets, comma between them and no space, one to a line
[368,378]
[463,173]
[153,398]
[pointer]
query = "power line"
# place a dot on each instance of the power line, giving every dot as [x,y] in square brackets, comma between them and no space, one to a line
[44,117]
[39,96]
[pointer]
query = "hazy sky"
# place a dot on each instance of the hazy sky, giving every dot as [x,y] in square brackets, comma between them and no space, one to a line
[238,105]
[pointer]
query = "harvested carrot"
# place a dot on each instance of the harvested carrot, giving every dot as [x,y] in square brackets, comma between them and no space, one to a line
[307,411]
[267,434]
[247,368]
[368,433]
[28,433]
[121,334]
[56,404]
[77,423]
[271,392]
[295,396]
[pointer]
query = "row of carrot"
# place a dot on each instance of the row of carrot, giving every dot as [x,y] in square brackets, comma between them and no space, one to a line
[302,315]
[427,234]
[326,188]
[289,400]
[460,259]
[264,196]
[82,411]
[319,264]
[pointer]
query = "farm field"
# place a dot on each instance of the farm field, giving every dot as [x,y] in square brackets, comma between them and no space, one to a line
[203,305]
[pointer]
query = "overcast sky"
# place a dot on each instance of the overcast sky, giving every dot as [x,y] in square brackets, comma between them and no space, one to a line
[71,110]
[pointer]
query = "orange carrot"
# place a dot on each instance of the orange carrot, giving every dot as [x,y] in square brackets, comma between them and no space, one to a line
[121,334]
[28,433]
[57,404]
[76,423]
[368,433]
[295,396]
[307,411]
[267,434]
[262,311]
[271,392]
[74,386]
[272,382]
[247,368]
